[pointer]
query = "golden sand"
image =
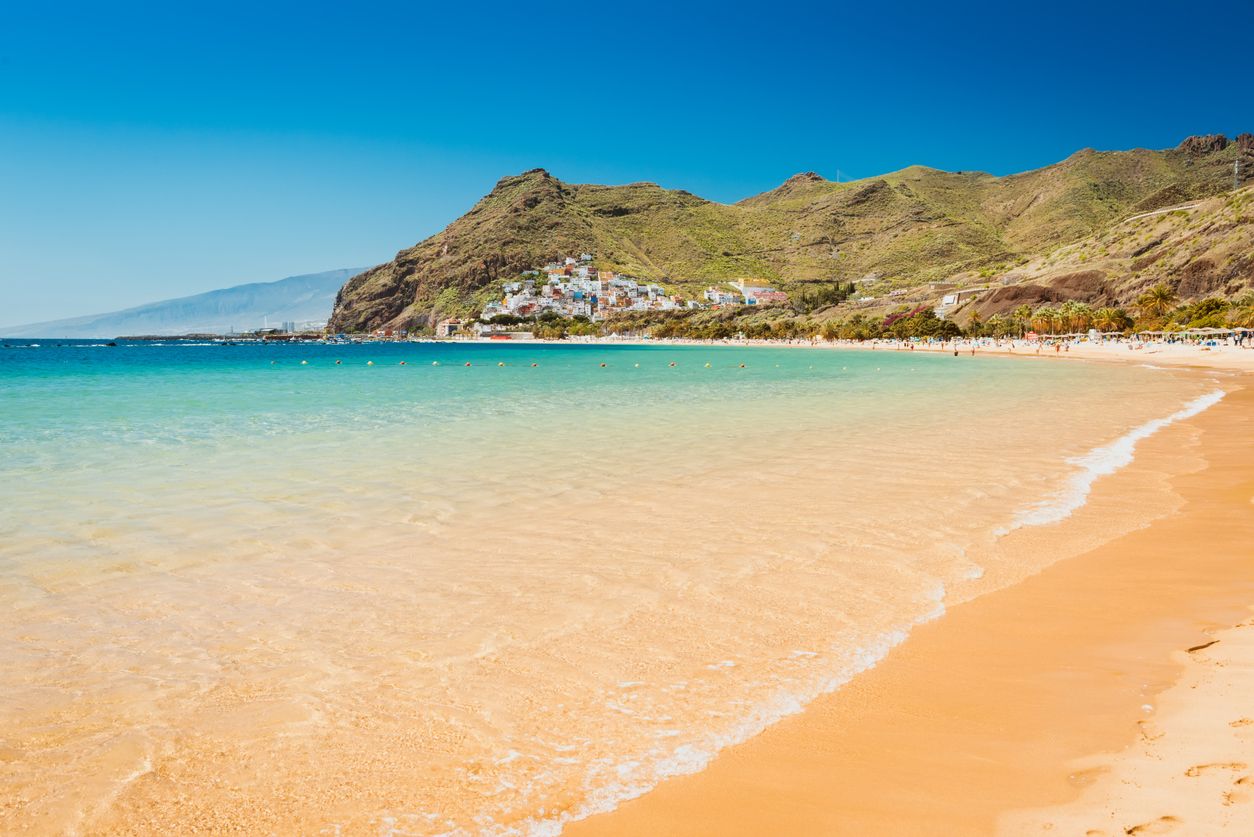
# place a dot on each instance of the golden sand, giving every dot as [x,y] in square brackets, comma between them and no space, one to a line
[1002,705]
[352,647]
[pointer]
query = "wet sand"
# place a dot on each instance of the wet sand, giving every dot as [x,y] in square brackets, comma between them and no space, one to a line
[1072,694]
[352,645]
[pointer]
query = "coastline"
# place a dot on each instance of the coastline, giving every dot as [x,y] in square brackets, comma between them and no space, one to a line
[1228,358]
[1043,695]
[1175,355]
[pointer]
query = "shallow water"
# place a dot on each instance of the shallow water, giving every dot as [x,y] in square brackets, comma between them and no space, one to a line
[242,592]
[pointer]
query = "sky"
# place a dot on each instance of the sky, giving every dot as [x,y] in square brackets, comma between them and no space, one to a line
[149,151]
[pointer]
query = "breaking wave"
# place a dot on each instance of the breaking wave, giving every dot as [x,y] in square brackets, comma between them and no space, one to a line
[1102,461]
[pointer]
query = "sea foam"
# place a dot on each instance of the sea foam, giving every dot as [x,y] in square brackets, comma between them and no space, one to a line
[636,776]
[1099,462]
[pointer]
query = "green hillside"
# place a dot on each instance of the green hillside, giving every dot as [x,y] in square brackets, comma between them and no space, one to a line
[902,230]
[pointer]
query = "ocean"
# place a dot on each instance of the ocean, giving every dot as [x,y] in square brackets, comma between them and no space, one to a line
[490,588]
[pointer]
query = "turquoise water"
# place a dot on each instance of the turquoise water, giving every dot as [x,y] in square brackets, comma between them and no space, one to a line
[96,412]
[82,397]
[484,598]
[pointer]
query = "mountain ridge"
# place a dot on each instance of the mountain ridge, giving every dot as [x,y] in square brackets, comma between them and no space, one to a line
[909,227]
[300,298]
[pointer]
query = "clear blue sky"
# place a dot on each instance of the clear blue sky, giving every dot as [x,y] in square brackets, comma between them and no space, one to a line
[149,151]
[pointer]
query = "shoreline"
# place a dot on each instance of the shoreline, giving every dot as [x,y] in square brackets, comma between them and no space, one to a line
[1175,355]
[1229,358]
[1032,693]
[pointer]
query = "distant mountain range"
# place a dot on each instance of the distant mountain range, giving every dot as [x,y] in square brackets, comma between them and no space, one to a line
[299,299]
[900,231]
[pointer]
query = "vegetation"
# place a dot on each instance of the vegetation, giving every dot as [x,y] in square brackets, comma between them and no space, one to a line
[921,322]
[1157,301]
[809,300]
[813,238]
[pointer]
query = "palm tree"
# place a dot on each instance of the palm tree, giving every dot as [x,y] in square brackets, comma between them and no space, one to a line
[1043,319]
[1023,317]
[1106,319]
[1072,315]
[976,325]
[1157,301]
[1241,313]
[1081,316]
[1057,321]
[1112,319]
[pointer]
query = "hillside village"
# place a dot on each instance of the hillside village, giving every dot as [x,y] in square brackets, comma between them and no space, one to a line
[573,288]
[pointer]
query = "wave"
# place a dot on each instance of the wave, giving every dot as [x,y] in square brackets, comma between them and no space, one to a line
[609,785]
[1099,462]
[638,774]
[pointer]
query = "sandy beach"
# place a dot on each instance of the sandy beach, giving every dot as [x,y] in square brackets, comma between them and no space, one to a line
[1227,357]
[1175,355]
[788,651]
[1108,694]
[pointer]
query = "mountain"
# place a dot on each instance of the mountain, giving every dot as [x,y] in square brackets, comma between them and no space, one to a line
[907,228]
[306,298]
[1202,248]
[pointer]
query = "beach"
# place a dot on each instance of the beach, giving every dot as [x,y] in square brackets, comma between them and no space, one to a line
[1227,357]
[554,580]
[1108,694]
[1223,356]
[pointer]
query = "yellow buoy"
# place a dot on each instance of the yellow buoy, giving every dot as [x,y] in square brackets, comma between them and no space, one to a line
[500,363]
[435,363]
[742,366]
[707,366]
[370,363]
[304,363]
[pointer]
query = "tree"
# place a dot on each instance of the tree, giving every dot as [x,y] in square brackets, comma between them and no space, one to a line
[1023,317]
[976,327]
[1045,319]
[1081,316]
[1111,319]
[1242,313]
[999,325]
[1157,301]
[1206,313]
